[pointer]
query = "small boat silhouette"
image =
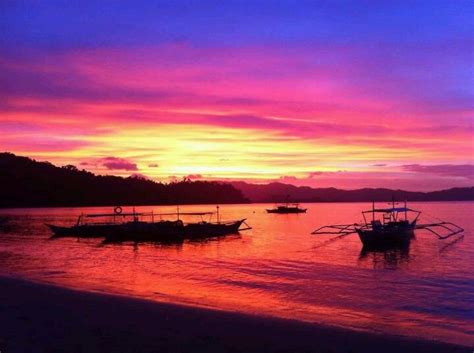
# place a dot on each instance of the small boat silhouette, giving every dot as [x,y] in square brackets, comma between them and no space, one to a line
[287,208]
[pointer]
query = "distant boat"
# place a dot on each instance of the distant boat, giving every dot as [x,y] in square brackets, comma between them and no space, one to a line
[287,208]
[393,229]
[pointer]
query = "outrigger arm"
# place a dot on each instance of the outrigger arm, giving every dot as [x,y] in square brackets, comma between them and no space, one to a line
[338,229]
[436,229]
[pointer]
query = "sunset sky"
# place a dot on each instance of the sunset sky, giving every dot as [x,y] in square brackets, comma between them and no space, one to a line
[332,93]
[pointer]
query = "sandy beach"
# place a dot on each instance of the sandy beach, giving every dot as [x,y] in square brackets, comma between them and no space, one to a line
[43,318]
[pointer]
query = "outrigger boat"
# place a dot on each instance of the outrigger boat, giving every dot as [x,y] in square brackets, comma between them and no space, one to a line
[393,229]
[119,227]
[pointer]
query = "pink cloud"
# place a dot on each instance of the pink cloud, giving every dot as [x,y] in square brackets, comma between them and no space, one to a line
[463,170]
[314,174]
[138,176]
[110,163]
[114,163]
[193,176]
[32,144]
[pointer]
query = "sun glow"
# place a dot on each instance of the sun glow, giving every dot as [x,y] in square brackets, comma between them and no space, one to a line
[256,112]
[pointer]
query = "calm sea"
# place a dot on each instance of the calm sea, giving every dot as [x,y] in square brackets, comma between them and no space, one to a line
[278,268]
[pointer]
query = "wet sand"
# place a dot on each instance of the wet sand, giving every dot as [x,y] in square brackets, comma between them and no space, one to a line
[43,318]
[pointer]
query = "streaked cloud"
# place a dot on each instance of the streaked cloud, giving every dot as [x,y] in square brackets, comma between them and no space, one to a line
[462,170]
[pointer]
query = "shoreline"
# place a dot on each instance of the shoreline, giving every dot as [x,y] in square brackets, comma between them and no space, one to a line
[43,318]
[20,208]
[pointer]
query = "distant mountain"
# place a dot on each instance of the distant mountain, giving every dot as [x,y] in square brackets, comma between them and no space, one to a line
[28,183]
[278,192]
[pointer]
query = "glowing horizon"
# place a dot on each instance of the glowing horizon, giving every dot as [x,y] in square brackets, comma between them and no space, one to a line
[307,97]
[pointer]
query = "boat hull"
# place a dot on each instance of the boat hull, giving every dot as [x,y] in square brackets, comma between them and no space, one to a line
[143,231]
[386,238]
[83,231]
[298,210]
[205,229]
[122,232]
[164,231]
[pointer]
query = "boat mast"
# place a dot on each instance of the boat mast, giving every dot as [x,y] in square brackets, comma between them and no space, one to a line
[79,219]
[393,209]
[373,211]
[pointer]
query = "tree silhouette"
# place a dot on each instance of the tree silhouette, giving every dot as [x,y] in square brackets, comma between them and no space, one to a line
[28,183]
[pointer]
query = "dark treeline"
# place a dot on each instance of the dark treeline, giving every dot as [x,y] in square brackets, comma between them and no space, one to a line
[28,183]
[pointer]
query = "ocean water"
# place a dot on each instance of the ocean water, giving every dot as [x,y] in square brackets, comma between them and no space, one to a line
[276,269]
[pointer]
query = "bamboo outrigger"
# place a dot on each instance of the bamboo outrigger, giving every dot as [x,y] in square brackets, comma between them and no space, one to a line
[394,228]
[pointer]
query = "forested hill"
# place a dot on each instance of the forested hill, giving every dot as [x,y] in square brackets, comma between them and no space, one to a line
[27,183]
[278,192]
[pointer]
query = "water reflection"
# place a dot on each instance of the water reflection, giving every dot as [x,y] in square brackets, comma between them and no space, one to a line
[391,259]
[163,243]
[6,224]
[277,268]
[331,240]
[218,239]
[450,243]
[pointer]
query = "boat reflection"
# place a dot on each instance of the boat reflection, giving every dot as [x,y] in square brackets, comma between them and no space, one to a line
[177,243]
[6,224]
[446,247]
[215,239]
[391,259]
[161,245]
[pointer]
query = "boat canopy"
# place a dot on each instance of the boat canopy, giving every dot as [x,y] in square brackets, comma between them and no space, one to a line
[393,209]
[136,214]
[114,214]
[185,213]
